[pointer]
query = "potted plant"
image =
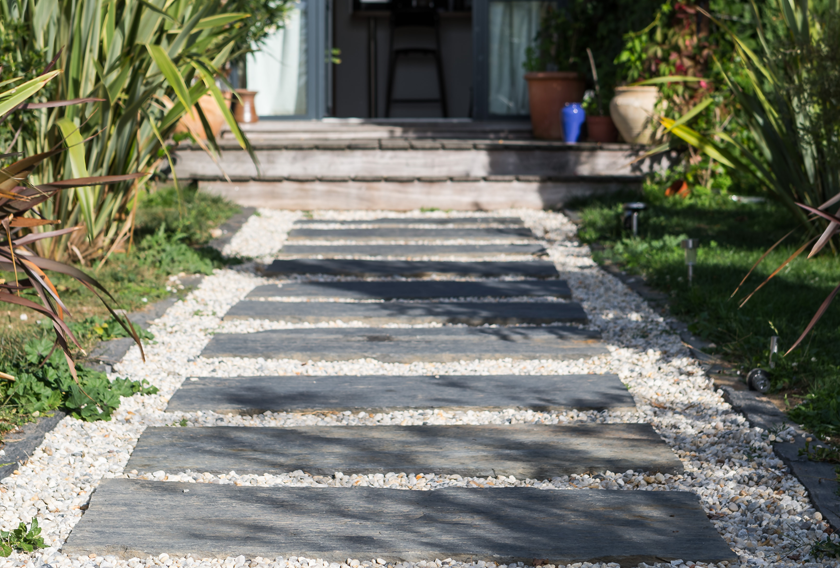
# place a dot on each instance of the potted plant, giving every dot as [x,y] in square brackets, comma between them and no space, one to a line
[553,73]
[266,17]
[632,107]
[599,127]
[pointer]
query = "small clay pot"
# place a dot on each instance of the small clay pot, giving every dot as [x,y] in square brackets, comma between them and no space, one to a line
[245,112]
[601,129]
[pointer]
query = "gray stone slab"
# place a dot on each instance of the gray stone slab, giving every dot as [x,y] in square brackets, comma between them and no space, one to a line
[411,250]
[410,345]
[412,268]
[413,290]
[402,221]
[523,451]
[402,233]
[294,393]
[382,313]
[130,518]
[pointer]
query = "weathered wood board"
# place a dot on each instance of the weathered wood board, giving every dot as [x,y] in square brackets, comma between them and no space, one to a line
[409,345]
[523,451]
[414,290]
[408,251]
[405,233]
[403,221]
[378,393]
[382,313]
[416,268]
[130,518]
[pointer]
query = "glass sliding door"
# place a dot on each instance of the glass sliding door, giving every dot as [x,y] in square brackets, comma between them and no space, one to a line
[287,72]
[503,31]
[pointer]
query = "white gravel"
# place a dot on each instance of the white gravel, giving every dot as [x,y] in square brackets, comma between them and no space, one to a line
[750,497]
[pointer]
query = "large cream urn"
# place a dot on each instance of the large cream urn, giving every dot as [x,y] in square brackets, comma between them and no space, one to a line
[632,111]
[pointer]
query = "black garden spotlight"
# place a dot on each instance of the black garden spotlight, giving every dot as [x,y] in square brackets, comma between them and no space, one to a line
[759,379]
[631,216]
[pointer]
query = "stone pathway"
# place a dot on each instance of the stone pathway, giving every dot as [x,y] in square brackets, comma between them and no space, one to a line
[508,525]
[463,445]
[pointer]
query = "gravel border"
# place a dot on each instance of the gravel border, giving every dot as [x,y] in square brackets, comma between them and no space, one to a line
[748,493]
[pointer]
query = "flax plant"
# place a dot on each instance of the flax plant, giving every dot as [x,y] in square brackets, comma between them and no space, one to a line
[795,136]
[141,65]
[789,104]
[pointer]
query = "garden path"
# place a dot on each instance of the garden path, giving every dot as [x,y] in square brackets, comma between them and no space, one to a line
[393,307]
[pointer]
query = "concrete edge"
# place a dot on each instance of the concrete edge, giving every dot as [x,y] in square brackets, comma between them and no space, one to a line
[819,478]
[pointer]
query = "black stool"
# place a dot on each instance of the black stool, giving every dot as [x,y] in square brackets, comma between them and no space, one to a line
[408,14]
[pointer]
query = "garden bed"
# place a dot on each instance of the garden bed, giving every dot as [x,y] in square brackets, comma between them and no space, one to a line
[733,236]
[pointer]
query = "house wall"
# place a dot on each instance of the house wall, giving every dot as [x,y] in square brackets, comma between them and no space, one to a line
[415,76]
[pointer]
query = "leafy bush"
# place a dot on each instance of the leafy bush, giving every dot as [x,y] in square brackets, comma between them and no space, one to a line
[43,382]
[189,212]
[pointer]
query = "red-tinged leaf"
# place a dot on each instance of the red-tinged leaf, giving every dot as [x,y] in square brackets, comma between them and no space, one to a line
[779,269]
[29,222]
[14,173]
[32,237]
[94,286]
[816,318]
[824,238]
[23,302]
[820,212]
[763,256]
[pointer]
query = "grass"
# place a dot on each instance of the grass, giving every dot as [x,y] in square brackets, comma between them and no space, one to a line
[732,238]
[171,237]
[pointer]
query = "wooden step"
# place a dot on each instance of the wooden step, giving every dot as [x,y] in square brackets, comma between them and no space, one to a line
[411,313]
[523,451]
[413,268]
[413,290]
[129,518]
[410,345]
[385,393]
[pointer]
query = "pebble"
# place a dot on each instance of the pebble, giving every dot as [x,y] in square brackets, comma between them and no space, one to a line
[749,495]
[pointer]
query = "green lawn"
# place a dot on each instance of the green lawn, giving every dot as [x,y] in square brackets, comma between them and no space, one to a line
[732,237]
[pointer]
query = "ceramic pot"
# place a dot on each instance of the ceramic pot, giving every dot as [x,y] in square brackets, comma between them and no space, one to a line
[549,92]
[573,118]
[601,129]
[245,112]
[632,111]
[192,123]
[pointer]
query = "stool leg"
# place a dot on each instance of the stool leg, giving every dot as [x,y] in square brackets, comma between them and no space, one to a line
[392,67]
[439,65]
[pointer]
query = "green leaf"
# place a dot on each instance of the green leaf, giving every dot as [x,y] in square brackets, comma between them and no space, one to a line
[216,21]
[171,73]
[12,98]
[668,79]
[76,151]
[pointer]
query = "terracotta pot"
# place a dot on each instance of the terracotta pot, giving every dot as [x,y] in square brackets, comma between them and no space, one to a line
[192,123]
[245,112]
[601,129]
[549,92]
[632,111]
